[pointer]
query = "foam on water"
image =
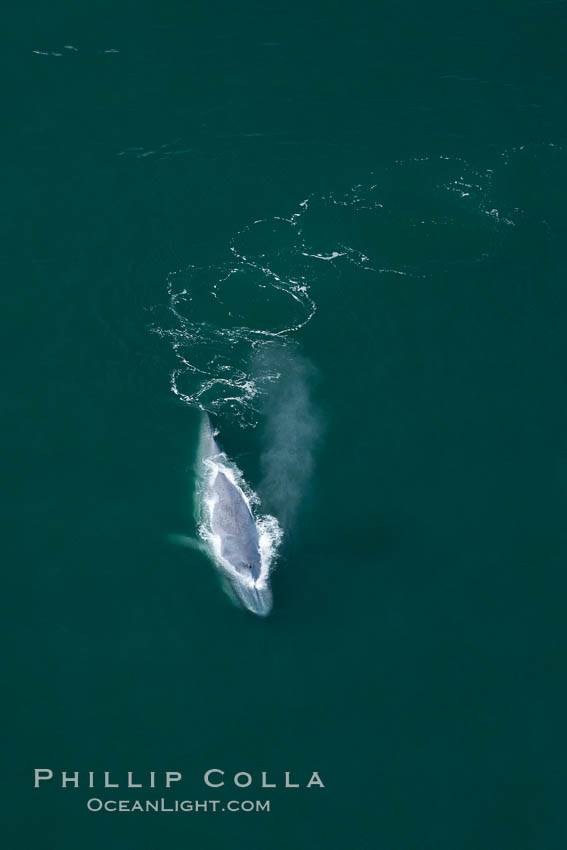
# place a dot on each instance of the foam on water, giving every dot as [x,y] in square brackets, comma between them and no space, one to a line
[409,218]
[218,315]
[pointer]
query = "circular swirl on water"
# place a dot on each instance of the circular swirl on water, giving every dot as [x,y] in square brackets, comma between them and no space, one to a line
[411,218]
[218,315]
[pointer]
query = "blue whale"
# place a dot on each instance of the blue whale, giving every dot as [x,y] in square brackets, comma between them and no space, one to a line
[231,531]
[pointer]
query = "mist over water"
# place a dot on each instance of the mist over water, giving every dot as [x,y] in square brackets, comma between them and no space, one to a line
[291,432]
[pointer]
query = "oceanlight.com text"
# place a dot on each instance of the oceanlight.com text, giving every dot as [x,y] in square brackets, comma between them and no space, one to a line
[95,804]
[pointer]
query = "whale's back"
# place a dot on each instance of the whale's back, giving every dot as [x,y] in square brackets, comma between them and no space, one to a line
[233,522]
[207,443]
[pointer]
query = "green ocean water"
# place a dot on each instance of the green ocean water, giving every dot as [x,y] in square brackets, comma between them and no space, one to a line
[377,192]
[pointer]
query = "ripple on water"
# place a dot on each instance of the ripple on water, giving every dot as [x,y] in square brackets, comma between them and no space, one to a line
[410,218]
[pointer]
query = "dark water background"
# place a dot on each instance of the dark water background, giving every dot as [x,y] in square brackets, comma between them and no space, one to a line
[416,651]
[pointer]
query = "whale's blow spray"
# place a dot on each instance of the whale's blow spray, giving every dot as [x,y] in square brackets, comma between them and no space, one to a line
[291,431]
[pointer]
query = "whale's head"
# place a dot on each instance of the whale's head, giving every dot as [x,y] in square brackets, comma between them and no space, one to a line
[256,596]
[249,567]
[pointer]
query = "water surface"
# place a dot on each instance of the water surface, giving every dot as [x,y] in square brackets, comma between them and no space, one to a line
[377,191]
